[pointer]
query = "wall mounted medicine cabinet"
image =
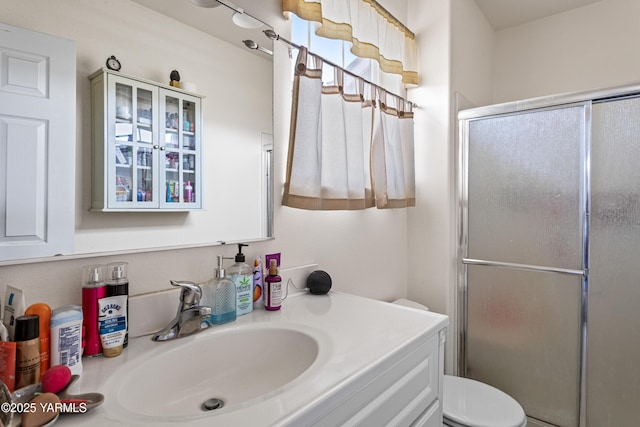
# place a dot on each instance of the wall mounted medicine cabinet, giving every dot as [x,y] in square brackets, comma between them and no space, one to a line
[146,145]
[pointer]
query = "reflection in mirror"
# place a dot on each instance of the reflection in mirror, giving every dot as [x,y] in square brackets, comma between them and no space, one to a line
[151,38]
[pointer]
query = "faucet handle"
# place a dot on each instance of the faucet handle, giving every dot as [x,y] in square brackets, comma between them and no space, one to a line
[191,293]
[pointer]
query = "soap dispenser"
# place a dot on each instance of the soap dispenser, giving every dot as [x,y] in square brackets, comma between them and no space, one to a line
[219,293]
[241,274]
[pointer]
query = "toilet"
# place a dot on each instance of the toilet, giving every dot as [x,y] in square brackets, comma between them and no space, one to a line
[470,403]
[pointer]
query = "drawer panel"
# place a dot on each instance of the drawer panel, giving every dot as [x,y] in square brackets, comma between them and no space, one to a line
[395,397]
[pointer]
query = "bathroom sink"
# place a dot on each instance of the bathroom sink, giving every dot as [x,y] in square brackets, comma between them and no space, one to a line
[235,367]
[334,359]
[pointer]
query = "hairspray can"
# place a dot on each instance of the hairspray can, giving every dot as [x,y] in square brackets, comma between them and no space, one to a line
[27,350]
[93,288]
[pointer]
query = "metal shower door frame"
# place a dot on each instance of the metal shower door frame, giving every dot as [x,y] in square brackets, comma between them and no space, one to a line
[461,294]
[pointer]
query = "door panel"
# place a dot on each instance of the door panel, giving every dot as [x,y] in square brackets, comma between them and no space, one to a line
[37,144]
[613,375]
[523,337]
[524,187]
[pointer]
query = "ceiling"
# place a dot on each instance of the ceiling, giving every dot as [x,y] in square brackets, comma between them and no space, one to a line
[502,14]
[215,21]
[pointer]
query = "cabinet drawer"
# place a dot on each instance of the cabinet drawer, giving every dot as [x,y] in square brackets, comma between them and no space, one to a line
[431,417]
[396,396]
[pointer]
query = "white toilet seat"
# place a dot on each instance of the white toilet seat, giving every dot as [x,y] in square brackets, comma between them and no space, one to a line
[469,403]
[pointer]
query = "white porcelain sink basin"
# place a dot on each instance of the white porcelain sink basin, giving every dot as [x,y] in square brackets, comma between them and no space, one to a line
[236,366]
[333,359]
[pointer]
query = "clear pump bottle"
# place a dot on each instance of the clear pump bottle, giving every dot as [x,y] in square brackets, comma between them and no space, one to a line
[219,293]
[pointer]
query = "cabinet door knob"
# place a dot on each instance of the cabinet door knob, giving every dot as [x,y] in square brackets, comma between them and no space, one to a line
[155,147]
[163,148]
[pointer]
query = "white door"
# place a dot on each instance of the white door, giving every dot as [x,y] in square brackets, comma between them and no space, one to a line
[37,143]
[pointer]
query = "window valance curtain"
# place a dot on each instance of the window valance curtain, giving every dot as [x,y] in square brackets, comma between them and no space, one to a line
[351,143]
[372,30]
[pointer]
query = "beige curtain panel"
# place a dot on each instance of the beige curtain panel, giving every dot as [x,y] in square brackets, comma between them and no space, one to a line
[348,149]
[373,32]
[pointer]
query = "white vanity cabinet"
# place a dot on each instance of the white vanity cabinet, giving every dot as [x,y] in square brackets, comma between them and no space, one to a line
[362,362]
[146,145]
[405,391]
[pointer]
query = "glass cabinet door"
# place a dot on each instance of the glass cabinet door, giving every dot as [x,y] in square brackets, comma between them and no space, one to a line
[146,142]
[181,165]
[131,155]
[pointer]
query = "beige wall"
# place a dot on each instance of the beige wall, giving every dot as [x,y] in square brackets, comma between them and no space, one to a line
[429,240]
[365,252]
[455,49]
[588,48]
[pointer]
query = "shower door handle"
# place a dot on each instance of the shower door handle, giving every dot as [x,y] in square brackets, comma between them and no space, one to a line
[528,267]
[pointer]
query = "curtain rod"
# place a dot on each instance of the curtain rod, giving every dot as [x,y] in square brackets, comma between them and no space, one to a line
[274,36]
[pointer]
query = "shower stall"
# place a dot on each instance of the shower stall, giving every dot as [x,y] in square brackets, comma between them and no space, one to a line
[549,228]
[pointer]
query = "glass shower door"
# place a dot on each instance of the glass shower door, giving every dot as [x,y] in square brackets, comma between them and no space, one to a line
[524,257]
[614,288]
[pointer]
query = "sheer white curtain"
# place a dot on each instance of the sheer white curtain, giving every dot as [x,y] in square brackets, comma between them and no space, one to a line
[346,150]
[372,30]
[392,159]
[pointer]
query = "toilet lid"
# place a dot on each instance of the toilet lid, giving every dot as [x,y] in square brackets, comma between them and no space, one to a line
[475,404]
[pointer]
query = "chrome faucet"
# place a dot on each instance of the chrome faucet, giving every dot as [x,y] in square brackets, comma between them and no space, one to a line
[190,317]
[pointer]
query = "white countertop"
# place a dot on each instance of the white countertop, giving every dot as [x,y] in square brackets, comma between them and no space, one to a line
[356,335]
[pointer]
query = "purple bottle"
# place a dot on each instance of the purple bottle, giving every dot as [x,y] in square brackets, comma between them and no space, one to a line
[273,288]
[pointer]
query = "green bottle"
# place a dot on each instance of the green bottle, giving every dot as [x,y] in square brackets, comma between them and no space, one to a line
[241,274]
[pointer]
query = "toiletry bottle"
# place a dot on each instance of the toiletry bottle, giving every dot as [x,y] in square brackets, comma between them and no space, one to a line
[43,311]
[66,337]
[224,301]
[258,283]
[27,350]
[208,298]
[273,288]
[242,276]
[93,288]
[8,364]
[112,324]
[188,192]
[118,284]
[13,307]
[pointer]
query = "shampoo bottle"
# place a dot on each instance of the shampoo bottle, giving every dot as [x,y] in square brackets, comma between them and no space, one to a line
[258,284]
[241,274]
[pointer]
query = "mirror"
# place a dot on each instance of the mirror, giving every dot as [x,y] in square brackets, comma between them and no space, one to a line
[151,38]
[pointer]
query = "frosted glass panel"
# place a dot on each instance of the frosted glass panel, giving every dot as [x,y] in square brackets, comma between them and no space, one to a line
[525,180]
[614,280]
[523,337]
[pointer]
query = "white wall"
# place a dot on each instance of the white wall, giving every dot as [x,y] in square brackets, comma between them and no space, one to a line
[365,252]
[455,50]
[430,223]
[587,48]
[592,47]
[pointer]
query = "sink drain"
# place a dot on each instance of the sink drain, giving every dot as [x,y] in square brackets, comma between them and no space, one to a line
[212,404]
